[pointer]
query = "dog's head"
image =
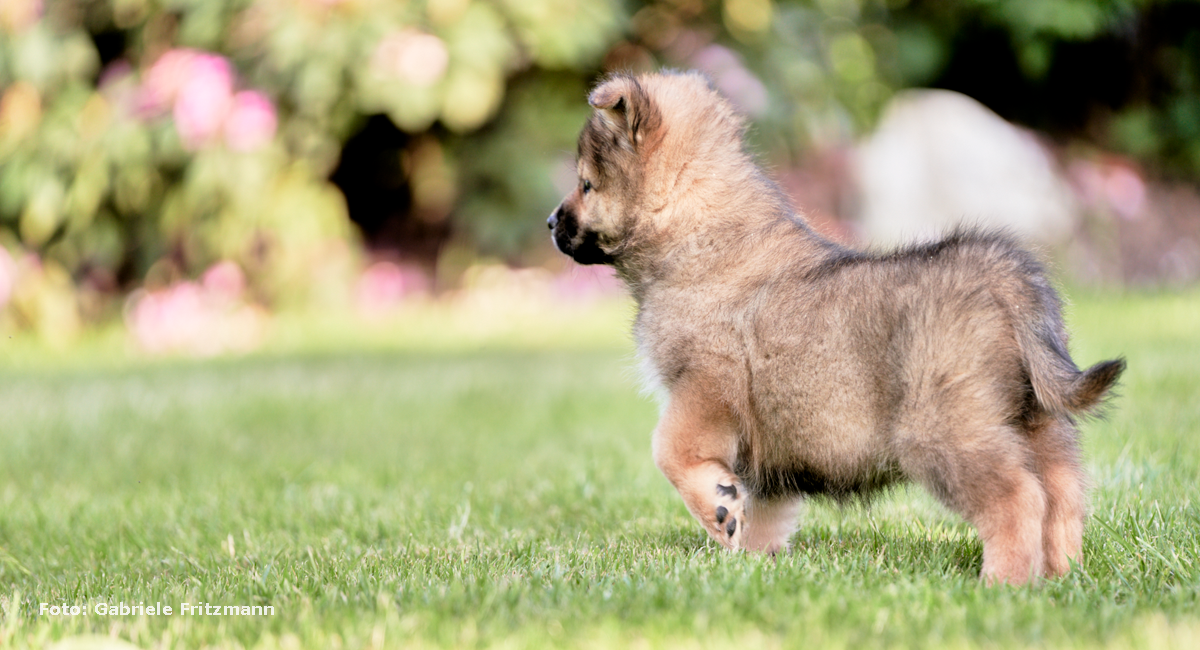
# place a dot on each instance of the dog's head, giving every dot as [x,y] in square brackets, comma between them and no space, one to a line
[655,150]
[592,221]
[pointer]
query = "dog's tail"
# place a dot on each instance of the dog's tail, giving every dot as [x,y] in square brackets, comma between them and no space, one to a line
[1079,393]
[1058,384]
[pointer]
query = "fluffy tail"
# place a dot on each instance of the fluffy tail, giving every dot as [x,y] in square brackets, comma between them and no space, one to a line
[1058,384]
[1092,385]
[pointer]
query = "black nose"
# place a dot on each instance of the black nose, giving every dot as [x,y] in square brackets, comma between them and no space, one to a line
[553,220]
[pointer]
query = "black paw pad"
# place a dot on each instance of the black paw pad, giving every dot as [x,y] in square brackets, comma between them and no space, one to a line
[722,513]
[727,491]
[729,529]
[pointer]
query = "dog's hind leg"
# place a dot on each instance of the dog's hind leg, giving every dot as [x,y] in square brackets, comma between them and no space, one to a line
[986,478]
[1056,455]
[1010,524]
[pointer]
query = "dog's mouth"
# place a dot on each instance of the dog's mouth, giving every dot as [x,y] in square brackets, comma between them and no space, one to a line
[582,245]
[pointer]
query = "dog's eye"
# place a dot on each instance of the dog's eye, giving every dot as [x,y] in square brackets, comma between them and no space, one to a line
[587,187]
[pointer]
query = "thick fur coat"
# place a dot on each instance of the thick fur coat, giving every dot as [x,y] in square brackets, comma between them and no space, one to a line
[795,366]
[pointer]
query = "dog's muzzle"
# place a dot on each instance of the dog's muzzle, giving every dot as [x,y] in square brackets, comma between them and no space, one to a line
[582,245]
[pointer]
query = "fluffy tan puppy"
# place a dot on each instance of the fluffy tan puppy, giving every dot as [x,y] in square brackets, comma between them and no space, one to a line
[795,366]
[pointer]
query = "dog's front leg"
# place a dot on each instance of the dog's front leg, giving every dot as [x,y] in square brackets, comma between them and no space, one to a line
[695,446]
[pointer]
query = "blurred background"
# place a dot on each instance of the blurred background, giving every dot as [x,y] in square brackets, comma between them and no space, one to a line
[187,171]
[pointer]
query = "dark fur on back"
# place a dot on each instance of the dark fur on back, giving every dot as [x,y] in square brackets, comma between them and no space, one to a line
[1027,290]
[1061,387]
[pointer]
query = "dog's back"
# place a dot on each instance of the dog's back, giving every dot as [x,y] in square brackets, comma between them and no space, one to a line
[942,306]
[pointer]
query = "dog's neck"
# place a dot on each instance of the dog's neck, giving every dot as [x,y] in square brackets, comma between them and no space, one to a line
[725,239]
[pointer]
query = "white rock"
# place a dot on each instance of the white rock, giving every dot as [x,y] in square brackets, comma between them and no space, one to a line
[939,158]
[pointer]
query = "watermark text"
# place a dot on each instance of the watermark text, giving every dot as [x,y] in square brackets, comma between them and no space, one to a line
[122,608]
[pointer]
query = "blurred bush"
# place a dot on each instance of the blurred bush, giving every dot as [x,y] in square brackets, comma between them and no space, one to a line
[143,141]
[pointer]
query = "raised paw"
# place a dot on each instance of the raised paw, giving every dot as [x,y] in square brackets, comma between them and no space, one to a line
[729,515]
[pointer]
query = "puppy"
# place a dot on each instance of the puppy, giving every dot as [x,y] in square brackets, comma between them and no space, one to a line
[795,366]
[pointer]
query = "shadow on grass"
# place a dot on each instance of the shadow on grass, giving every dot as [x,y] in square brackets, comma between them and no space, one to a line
[684,540]
[911,549]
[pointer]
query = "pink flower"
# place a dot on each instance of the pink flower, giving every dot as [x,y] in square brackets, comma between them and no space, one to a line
[8,276]
[19,15]
[169,319]
[732,78]
[251,121]
[1126,192]
[163,81]
[385,285]
[1113,184]
[202,318]
[197,89]
[204,100]
[416,57]
[582,282]
[224,281]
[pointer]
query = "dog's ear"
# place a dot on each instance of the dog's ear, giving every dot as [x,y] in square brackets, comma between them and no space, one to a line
[628,109]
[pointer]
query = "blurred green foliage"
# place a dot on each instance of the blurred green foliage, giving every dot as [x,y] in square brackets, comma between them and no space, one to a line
[115,174]
[118,166]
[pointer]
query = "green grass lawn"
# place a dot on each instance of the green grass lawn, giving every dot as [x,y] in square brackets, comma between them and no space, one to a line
[407,491]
